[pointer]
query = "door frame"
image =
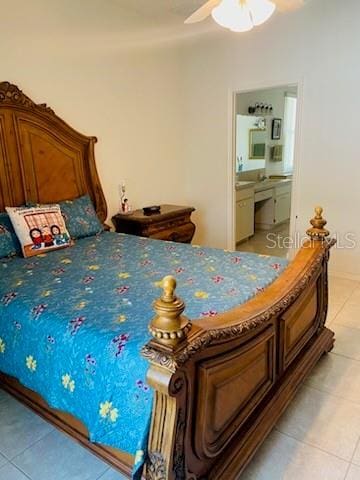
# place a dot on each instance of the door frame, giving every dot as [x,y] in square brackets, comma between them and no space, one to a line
[231,162]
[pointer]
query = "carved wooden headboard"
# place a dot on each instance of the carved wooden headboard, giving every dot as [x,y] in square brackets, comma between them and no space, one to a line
[43,159]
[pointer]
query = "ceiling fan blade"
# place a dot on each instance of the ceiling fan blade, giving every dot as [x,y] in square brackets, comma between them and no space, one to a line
[203,12]
[288,5]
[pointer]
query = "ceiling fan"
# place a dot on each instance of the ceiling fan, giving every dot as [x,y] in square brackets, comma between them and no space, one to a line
[242,15]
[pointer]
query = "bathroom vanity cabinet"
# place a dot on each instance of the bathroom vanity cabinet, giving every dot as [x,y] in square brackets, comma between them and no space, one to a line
[244,214]
[261,206]
[273,206]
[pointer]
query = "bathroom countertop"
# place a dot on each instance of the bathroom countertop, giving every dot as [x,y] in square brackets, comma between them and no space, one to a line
[241,185]
[271,183]
[264,185]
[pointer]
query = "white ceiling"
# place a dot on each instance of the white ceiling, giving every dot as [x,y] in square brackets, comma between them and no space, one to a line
[126,20]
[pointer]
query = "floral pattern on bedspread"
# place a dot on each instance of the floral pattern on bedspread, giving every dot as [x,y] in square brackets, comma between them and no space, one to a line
[72,322]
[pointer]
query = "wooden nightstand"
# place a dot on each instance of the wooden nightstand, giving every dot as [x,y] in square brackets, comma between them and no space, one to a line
[172,223]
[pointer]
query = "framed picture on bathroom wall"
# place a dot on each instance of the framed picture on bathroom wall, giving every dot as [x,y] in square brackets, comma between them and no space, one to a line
[276,129]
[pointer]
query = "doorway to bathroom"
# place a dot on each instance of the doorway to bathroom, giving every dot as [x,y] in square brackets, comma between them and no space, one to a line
[264,155]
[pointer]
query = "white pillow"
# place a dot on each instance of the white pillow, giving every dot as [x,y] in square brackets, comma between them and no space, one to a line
[39,229]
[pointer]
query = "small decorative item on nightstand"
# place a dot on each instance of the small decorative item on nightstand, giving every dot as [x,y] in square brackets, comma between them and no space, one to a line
[171,222]
[154,209]
[125,208]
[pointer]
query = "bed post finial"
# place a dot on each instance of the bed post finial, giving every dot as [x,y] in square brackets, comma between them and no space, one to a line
[317,231]
[170,331]
[169,327]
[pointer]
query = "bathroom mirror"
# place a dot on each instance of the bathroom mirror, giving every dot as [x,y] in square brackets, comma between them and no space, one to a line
[257,143]
[249,134]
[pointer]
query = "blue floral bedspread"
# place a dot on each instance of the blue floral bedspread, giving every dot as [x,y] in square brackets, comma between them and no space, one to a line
[73,321]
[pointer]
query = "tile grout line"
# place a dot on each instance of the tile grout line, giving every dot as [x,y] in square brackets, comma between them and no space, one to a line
[308,385]
[312,446]
[333,278]
[20,470]
[30,446]
[345,356]
[333,323]
[353,455]
[39,440]
[333,320]
[102,474]
[344,302]
[12,459]
[9,462]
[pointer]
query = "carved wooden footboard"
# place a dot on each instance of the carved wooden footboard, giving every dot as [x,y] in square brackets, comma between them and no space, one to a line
[222,383]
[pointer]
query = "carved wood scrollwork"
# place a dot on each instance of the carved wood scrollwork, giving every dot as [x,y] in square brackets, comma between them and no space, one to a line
[156,467]
[178,457]
[160,358]
[166,457]
[324,293]
[11,94]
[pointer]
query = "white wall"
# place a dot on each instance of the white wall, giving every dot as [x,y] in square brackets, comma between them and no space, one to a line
[317,46]
[128,99]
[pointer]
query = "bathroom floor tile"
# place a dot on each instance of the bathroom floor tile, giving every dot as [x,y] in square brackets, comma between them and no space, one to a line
[19,427]
[58,457]
[263,242]
[9,472]
[324,421]
[337,375]
[284,458]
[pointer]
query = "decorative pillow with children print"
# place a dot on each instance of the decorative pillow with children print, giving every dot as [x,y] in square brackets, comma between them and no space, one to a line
[39,229]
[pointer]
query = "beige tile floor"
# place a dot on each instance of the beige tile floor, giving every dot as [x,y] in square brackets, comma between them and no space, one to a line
[268,242]
[318,437]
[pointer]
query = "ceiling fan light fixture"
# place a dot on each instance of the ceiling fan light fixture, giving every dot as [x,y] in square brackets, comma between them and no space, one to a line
[261,10]
[233,15]
[242,15]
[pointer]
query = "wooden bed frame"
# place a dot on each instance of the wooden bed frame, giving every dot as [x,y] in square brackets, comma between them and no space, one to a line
[220,383]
